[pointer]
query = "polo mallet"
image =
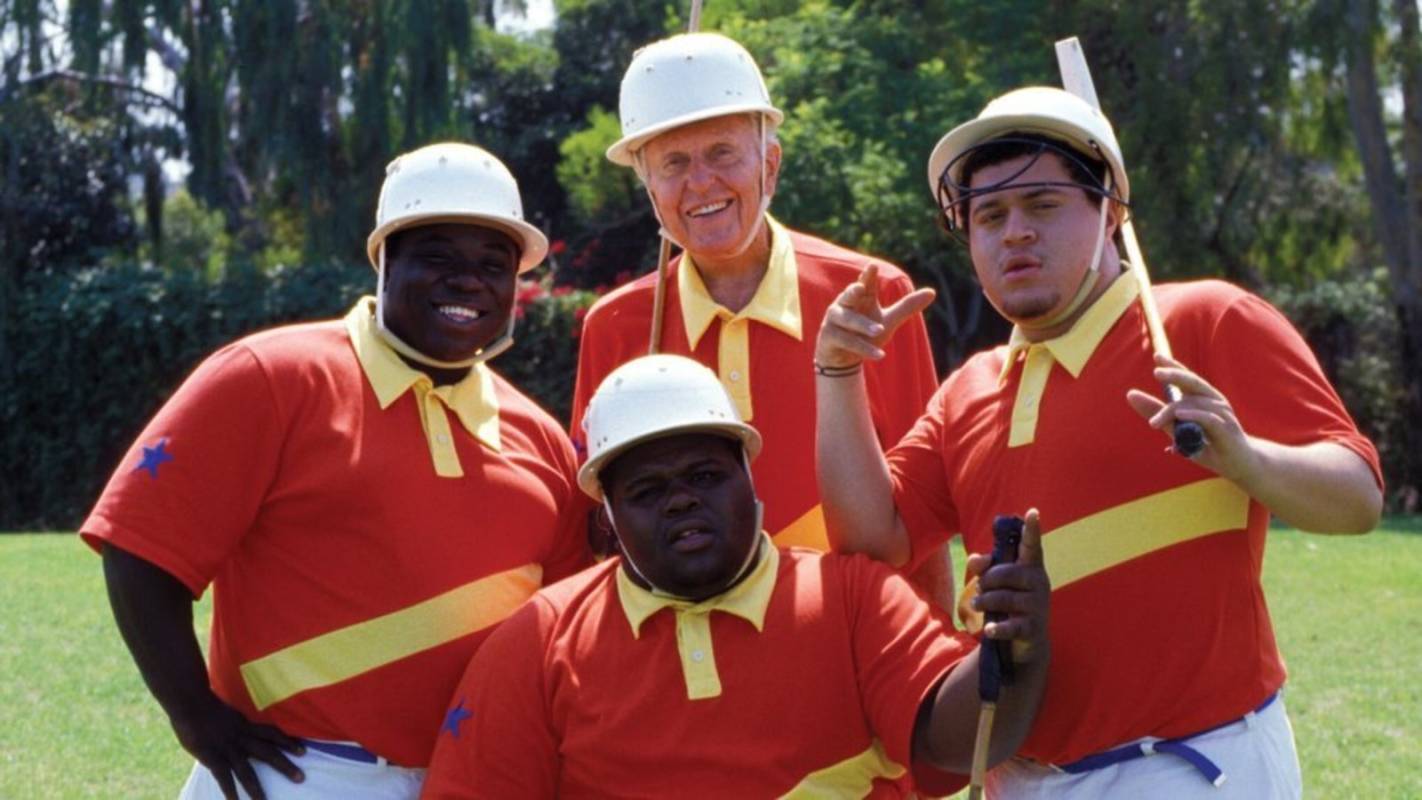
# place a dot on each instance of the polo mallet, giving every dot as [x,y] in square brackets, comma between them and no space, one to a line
[659,298]
[995,668]
[1076,78]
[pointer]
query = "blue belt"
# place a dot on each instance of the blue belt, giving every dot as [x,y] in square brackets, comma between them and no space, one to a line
[350,752]
[1176,747]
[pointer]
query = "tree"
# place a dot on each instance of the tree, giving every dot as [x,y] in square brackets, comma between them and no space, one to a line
[1392,167]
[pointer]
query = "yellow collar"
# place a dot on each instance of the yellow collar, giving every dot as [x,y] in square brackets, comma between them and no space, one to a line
[1074,348]
[748,599]
[472,399]
[776,302]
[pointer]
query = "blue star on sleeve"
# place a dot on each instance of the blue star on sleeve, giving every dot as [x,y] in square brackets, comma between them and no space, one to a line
[153,457]
[455,718]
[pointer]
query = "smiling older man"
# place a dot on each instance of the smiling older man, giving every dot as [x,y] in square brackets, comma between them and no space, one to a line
[747,294]
[662,673]
[366,498]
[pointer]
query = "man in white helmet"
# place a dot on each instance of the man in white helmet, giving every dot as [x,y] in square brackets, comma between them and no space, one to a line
[746,295]
[1161,637]
[661,672]
[366,498]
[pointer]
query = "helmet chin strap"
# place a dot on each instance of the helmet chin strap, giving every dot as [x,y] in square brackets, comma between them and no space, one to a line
[1088,280]
[499,345]
[752,553]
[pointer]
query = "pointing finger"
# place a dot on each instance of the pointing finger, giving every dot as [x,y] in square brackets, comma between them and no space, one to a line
[1029,550]
[908,305]
[1144,403]
[869,279]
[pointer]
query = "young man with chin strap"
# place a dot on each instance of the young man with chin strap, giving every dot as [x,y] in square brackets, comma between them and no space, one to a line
[1165,678]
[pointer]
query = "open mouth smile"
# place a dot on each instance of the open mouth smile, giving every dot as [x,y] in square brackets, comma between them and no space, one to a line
[459,314]
[708,209]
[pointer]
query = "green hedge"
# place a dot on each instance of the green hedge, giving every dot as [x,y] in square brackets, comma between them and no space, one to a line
[91,355]
[1353,328]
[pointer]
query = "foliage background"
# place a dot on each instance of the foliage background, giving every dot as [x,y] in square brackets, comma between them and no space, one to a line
[178,174]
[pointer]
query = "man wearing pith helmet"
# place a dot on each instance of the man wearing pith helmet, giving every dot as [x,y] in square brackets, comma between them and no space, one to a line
[1162,644]
[662,672]
[366,498]
[746,295]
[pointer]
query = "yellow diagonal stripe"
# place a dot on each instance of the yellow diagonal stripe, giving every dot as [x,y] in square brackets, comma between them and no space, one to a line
[1130,530]
[807,531]
[342,654]
[852,777]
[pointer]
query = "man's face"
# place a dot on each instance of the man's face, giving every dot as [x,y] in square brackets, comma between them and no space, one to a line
[1032,246]
[684,510]
[449,287]
[705,181]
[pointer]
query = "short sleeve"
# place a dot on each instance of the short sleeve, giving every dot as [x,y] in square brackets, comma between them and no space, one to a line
[920,482]
[1275,383]
[496,740]
[902,649]
[191,485]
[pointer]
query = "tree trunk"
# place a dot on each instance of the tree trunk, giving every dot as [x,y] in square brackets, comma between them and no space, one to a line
[1407,279]
[1365,112]
[1396,198]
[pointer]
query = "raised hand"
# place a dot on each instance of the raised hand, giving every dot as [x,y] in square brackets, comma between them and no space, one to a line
[1228,452]
[1021,590]
[856,326]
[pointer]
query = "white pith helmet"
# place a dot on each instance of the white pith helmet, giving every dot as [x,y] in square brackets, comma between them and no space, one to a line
[1042,110]
[453,182]
[651,397]
[683,79]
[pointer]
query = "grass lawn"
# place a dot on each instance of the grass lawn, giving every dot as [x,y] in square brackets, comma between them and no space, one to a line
[76,721]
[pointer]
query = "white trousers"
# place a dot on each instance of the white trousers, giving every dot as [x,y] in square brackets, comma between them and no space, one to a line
[327,777]
[1257,755]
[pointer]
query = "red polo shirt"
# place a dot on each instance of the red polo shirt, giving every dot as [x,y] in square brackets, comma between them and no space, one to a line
[362,530]
[1159,625]
[806,676]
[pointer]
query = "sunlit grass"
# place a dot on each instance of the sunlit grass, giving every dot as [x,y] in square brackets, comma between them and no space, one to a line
[76,720]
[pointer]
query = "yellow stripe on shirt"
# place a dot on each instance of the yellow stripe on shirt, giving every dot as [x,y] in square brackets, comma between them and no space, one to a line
[807,531]
[345,653]
[1130,530]
[852,777]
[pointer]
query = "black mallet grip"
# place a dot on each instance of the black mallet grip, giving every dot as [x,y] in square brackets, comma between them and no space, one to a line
[995,658]
[1189,439]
